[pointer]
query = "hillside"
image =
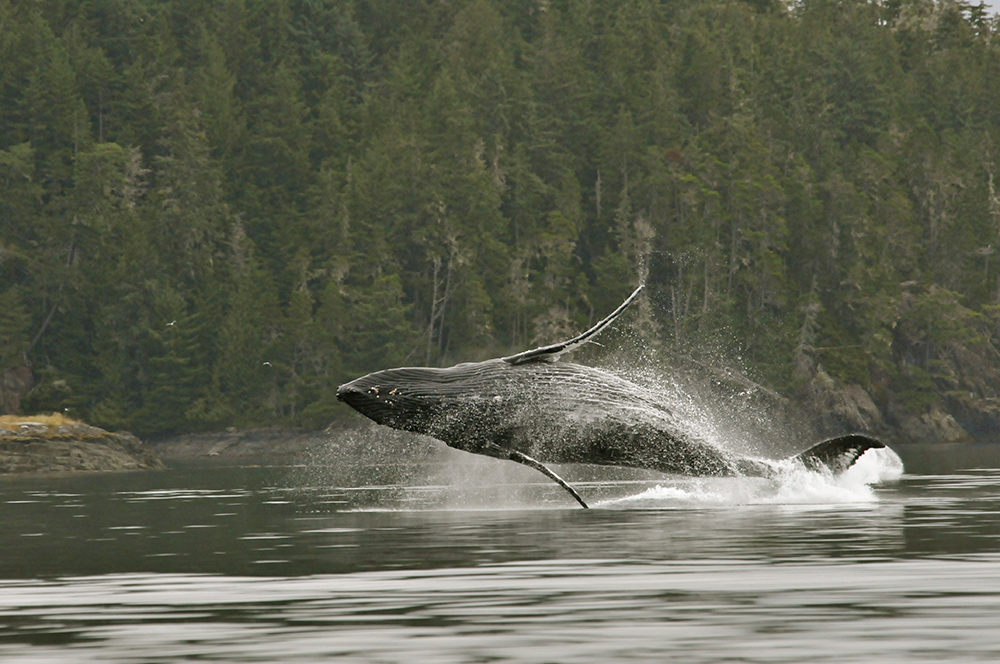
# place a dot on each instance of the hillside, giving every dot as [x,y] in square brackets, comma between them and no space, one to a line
[213,213]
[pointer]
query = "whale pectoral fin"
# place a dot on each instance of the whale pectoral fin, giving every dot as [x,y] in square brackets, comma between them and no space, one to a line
[539,466]
[838,454]
[552,353]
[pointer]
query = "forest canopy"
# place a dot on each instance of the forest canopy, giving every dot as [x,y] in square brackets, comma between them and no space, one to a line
[212,213]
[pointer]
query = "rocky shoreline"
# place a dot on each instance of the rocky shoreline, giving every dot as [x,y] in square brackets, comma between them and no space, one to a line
[356,442]
[240,443]
[37,447]
[835,410]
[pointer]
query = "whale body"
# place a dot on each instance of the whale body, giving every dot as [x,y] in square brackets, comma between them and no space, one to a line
[533,409]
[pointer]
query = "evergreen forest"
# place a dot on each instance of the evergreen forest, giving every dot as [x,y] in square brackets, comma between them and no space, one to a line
[214,212]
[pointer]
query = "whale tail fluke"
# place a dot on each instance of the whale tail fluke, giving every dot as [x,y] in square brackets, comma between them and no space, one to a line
[838,454]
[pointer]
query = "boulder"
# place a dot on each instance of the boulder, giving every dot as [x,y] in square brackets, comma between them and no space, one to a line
[934,426]
[28,446]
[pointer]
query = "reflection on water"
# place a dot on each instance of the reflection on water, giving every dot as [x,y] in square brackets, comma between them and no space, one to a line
[557,610]
[465,559]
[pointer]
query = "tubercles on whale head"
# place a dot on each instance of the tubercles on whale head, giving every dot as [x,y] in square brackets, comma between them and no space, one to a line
[403,398]
[369,396]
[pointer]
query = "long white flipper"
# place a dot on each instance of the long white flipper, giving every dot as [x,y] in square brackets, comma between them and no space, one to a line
[548,472]
[551,353]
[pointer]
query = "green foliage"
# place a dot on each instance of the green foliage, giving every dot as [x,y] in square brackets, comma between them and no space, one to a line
[376,329]
[213,213]
[14,323]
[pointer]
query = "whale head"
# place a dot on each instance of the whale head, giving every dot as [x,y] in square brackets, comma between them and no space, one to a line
[425,399]
[394,397]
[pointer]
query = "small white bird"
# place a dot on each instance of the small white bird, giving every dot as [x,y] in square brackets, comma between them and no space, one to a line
[170,324]
[267,364]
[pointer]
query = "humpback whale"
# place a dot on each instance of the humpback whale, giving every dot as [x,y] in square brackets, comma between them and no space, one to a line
[533,409]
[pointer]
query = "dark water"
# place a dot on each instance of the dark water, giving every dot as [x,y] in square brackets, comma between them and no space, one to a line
[457,559]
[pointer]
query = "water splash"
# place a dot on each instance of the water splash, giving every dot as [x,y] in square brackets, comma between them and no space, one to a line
[692,404]
[793,485]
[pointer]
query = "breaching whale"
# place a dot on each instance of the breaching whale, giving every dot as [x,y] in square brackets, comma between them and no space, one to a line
[533,409]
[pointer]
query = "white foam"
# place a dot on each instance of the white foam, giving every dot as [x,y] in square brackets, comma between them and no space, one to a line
[666,496]
[794,485]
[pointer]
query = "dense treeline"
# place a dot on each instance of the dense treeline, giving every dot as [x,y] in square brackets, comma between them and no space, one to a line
[211,213]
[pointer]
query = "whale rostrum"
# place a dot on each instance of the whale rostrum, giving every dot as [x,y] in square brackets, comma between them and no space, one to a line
[535,410]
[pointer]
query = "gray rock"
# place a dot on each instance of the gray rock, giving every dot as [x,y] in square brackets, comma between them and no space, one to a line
[33,447]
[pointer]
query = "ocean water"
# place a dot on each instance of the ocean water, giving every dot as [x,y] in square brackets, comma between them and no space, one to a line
[447,557]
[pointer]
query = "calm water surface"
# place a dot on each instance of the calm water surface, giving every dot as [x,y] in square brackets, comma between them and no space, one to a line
[451,558]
